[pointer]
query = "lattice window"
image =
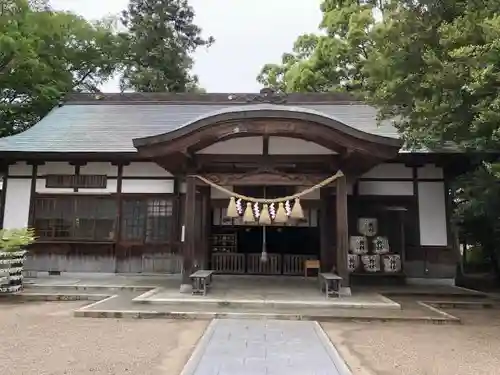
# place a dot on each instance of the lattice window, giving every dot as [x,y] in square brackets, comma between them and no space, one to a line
[147,220]
[54,217]
[95,218]
[133,220]
[87,181]
[75,218]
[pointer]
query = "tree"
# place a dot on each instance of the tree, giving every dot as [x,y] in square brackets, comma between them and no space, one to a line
[44,55]
[477,211]
[436,67]
[159,43]
[332,60]
[433,67]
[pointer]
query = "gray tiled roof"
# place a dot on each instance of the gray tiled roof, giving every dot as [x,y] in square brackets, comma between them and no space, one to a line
[111,127]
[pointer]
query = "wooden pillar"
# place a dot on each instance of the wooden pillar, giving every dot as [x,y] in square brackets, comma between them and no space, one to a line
[34,176]
[342,237]
[326,254]
[3,196]
[119,252]
[205,227]
[175,234]
[189,245]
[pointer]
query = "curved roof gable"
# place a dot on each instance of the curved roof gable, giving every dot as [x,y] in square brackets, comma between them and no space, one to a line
[108,123]
[264,111]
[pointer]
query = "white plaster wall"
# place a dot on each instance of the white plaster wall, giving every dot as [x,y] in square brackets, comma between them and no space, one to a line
[385,188]
[20,169]
[429,171]
[389,170]
[148,186]
[111,187]
[40,188]
[313,195]
[217,194]
[432,214]
[245,146]
[17,203]
[55,168]
[295,146]
[145,169]
[100,168]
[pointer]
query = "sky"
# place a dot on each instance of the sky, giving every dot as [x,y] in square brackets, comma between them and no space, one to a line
[248,34]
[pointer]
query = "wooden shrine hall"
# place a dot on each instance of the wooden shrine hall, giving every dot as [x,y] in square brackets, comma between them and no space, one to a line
[238,183]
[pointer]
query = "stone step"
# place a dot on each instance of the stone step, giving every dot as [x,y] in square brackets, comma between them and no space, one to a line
[209,315]
[121,306]
[332,303]
[34,288]
[486,304]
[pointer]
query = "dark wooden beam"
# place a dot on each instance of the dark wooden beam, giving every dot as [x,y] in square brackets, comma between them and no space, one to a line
[34,176]
[416,198]
[77,173]
[265,145]
[3,197]
[207,159]
[177,214]
[119,185]
[274,178]
[327,255]
[189,245]
[342,230]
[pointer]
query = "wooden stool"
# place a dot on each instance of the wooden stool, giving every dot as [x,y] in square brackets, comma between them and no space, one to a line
[311,264]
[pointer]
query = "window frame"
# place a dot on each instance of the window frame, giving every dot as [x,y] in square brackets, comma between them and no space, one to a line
[73,218]
[144,198]
[119,199]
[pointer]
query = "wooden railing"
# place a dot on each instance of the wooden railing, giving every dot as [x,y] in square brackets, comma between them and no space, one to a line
[228,263]
[271,267]
[161,263]
[294,264]
[276,264]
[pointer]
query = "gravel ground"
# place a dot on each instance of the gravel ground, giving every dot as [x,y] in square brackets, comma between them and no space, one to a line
[44,339]
[423,349]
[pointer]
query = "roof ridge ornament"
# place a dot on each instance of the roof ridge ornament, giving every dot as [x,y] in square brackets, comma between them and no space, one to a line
[266,95]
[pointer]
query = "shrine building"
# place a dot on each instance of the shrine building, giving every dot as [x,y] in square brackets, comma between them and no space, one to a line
[236,183]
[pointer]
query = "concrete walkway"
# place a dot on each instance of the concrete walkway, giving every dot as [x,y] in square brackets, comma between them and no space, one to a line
[265,347]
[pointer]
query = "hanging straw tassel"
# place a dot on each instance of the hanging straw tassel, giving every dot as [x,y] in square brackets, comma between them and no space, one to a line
[232,210]
[297,212]
[265,218]
[263,256]
[248,214]
[280,214]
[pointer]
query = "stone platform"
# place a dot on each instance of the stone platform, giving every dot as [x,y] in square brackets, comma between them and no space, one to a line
[287,298]
[266,291]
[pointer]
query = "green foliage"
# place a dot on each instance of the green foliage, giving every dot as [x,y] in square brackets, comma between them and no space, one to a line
[44,55]
[158,46]
[477,210]
[433,67]
[16,239]
[332,60]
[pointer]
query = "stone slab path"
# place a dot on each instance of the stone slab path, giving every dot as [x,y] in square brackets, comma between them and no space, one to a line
[264,347]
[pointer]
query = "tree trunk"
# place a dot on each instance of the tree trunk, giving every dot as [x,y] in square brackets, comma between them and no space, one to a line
[493,253]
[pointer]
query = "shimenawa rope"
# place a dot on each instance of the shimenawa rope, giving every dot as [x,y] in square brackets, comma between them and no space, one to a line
[230,193]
